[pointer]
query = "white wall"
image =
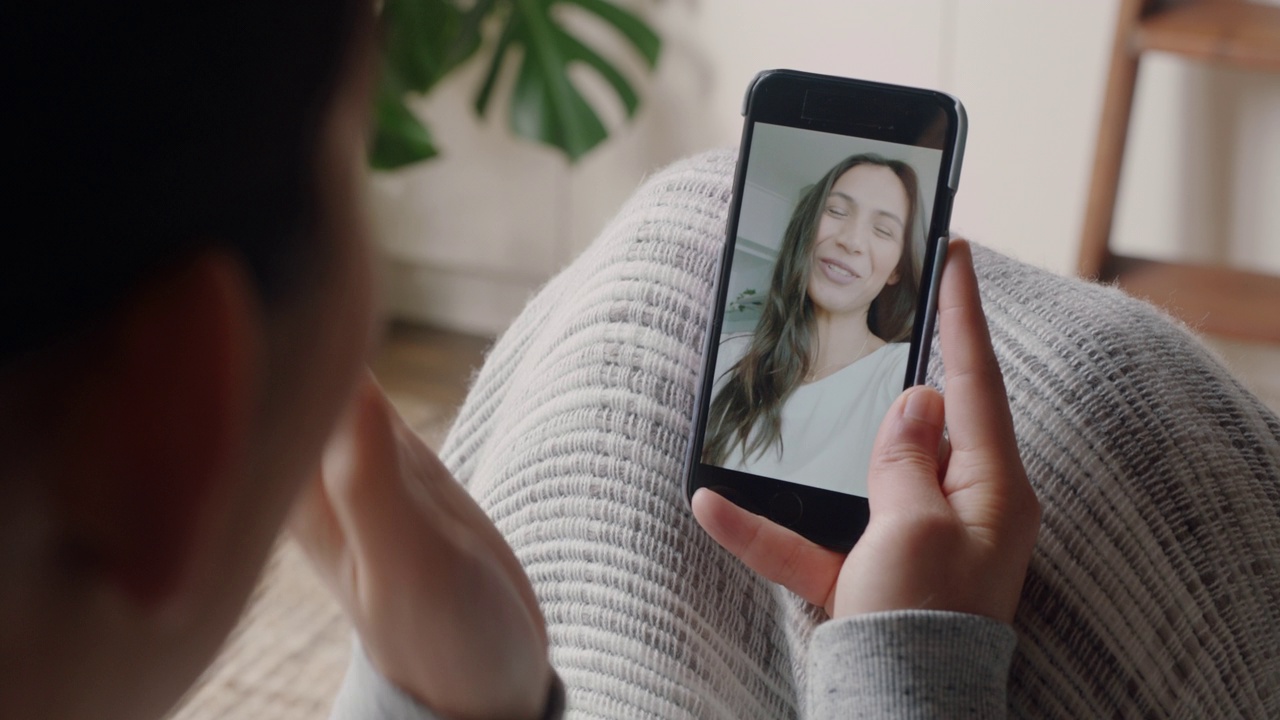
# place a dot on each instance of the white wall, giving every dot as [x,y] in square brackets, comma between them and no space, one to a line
[469,237]
[1206,165]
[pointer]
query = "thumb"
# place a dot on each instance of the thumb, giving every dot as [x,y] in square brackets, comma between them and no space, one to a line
[904,461]
[371,497]
[315,527]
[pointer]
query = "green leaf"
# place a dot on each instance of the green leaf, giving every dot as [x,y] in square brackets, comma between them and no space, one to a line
[467,41]
[495,63]
[645,40]
[545,105]
[427,39]
[581,52]
[417,39]
[399,137]
[424,41]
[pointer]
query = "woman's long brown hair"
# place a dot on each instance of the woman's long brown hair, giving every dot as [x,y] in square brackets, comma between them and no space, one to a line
[778,360]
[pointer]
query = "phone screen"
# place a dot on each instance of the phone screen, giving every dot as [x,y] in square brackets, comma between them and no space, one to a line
[826,295]
[813,343]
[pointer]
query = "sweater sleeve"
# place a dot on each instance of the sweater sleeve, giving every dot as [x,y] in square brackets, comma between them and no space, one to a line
[910,664]
[367,695]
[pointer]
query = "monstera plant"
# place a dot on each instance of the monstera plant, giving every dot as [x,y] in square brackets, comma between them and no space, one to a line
[425,40]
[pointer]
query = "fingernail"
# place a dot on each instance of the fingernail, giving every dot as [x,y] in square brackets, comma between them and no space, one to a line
[920,406]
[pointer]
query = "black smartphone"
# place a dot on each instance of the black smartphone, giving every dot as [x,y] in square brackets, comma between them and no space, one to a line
[827,293]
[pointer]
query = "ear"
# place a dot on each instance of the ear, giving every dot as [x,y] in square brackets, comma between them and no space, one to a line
[893,278]
[163,427]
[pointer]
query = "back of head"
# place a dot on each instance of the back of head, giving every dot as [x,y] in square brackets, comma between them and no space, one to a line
[146,130]
[171,184]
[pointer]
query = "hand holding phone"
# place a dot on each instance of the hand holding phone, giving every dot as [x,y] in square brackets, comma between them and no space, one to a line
[946,533]
[836,236]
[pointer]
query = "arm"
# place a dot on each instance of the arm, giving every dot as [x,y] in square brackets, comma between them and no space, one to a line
[445,614]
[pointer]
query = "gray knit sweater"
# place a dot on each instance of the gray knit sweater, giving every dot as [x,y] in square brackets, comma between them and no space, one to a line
[1154,590]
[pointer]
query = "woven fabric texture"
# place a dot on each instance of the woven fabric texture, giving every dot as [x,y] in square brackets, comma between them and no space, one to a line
[1155,586]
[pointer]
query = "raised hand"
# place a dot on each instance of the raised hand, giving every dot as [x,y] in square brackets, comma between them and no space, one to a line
[441,604]
[948,531]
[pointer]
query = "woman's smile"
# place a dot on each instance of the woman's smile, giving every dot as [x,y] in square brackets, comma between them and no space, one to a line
[838,272]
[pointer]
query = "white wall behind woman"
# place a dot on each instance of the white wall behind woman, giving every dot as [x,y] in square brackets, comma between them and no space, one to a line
[469,237]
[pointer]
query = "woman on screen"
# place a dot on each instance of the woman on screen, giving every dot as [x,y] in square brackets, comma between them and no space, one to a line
[801,397]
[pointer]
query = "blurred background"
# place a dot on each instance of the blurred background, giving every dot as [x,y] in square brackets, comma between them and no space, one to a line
[470,234]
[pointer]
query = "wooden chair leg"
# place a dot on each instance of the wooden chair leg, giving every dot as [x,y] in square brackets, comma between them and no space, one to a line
[1113,129]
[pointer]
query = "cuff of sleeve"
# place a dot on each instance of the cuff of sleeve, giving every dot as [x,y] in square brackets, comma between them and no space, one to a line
[367,695]
[910,664]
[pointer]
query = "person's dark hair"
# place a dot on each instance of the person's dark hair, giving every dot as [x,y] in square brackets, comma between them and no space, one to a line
[778,358]
[144,131]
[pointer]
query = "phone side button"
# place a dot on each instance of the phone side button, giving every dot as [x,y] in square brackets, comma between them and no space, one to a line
[786,509]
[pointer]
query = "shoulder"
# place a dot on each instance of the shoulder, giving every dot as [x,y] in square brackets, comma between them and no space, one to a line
[895,351]
[891,360]
[886,369]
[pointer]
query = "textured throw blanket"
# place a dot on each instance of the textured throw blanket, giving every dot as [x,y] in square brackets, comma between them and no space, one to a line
[1155,586]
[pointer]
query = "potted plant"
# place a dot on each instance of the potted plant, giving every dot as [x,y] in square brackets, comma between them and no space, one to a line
[426,40]
[467,237]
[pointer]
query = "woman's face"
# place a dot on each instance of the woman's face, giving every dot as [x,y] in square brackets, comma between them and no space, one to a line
[861,231]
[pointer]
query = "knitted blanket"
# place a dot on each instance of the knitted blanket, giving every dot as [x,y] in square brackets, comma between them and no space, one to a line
[1155,586]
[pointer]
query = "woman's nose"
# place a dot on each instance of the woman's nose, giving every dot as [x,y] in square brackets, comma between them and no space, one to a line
[853,238]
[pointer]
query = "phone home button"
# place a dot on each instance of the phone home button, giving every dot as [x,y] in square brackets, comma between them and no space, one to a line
[786,509]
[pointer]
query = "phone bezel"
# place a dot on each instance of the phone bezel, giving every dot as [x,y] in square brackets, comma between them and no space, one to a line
[886,112]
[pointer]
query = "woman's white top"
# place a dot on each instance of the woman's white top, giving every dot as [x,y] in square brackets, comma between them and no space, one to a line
[828,426]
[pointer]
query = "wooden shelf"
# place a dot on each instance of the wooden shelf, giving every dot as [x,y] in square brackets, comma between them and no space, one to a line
[1243,34]
[1212,299]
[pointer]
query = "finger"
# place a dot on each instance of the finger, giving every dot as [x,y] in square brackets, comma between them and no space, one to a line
[904,461]
[771,550]
[453,501]
[436,481]
[313,525]
[463,508]
[448,494]
[979,422]
[977,408]
[386,527]
[399,493]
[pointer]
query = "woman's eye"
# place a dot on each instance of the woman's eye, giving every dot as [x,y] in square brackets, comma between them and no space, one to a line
[836,211]
[884,232]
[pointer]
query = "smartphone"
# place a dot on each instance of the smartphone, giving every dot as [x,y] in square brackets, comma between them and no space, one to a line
[827,293]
